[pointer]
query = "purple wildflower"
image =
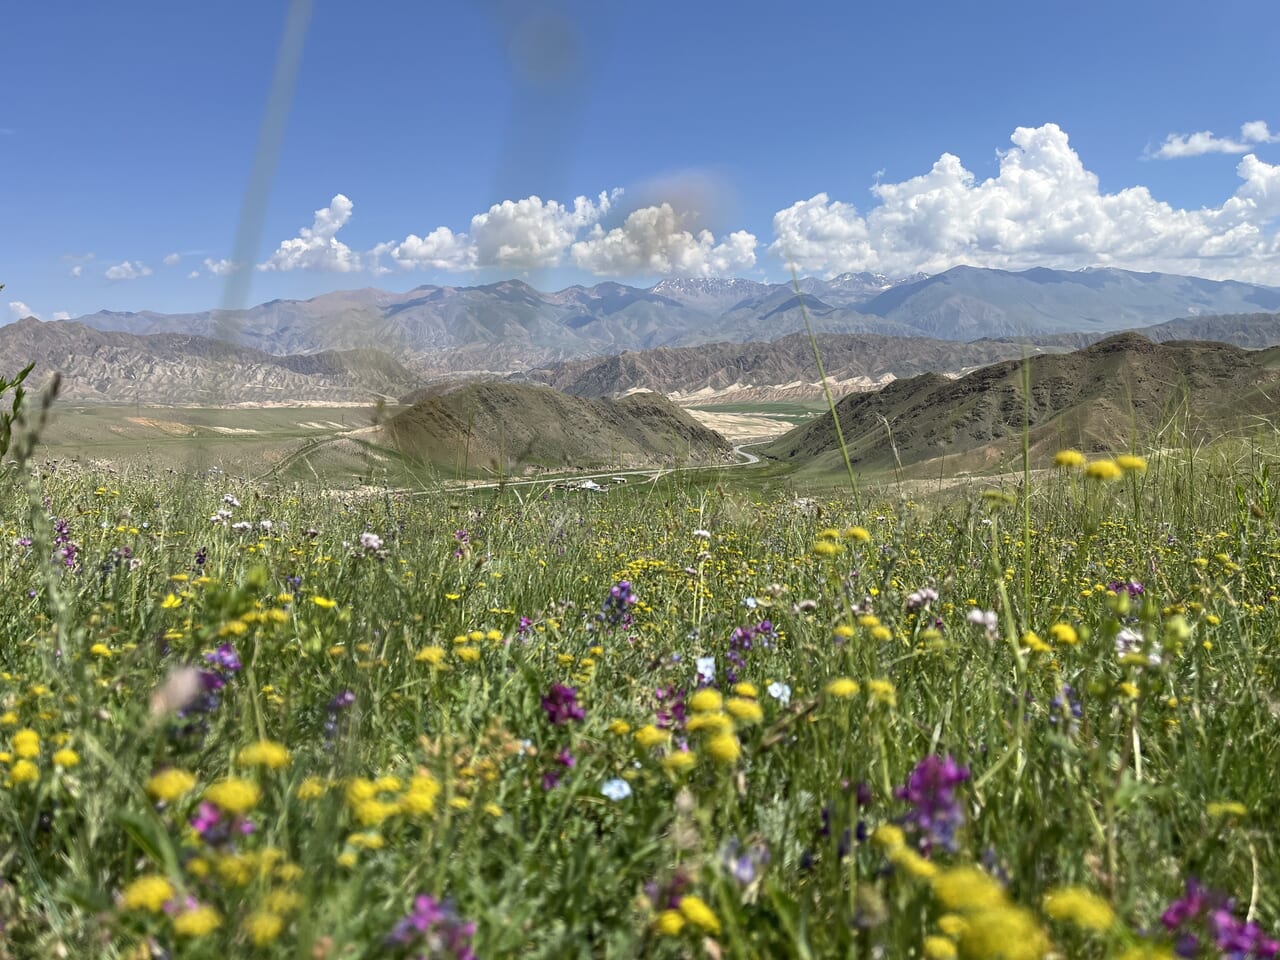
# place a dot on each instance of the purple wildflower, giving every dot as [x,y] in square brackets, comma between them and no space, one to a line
[936,812]
[435,927]
[561,704]
[616,609]
[1213,913]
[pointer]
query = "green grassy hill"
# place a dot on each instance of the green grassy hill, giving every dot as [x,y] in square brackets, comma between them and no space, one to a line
[503,428]
[1099,398]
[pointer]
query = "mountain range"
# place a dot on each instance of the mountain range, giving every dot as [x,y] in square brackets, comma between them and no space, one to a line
[509,326]
[175,369]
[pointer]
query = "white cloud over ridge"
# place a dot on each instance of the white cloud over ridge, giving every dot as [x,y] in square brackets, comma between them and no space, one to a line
[128,270]
[1197,144]
[20,311]
[653,240]
[1043,208]
[317,247]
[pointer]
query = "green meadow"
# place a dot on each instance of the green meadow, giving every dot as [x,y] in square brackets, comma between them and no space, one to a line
[712,715]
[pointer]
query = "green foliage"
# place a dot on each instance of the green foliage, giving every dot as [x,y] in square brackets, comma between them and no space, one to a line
[385,712]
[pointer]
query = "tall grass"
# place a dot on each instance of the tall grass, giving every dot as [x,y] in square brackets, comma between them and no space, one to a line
[372,664]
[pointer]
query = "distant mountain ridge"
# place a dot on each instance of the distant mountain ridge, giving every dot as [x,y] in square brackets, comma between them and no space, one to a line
[784,368]
[509,326]
[174,369]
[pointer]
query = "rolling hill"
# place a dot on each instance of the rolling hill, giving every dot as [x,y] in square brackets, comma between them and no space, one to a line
[497,428]
[1122,389]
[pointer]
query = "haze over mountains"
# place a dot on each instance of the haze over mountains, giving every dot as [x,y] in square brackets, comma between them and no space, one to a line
[509,326]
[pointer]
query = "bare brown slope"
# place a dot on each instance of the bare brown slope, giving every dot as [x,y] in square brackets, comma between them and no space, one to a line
[173,369]
[523,428]
[866,360]
[1121,389]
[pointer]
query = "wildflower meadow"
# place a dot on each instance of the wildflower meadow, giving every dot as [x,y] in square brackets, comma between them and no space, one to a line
[246,719]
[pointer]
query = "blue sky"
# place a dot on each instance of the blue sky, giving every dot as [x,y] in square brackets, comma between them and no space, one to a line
[699,138]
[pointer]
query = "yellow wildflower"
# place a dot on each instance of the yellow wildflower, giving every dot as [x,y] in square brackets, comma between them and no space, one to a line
[695,910]
[967,888]
[650,736]
[24,771]
[1064,633]
[169,784]
[264,753]
[420,799]
[311,788]
[679,761]
[724,748]
[149,892]
[939,948]
[1071,459]
[66,757]
[197,922]
[1079,906]
[706,700]
[883,691]
[1102,470]
[26,744]
[669,923]
[843,688]
[233,795]
[744,710]
[1129,462]
[263,927]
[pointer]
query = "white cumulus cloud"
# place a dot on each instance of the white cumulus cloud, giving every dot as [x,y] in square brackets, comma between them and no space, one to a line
[77,270]
[1197,144]
[530,233]
[220,268]
[317,247]
[526,234]
[441,249]
[172,259]
[1043,208]
[20,311]
[654,240]
[128,270]
[61,315]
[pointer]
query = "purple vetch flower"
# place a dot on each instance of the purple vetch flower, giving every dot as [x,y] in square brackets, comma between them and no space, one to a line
[1132,587]
[744,864]
[564,759]
[435,927]
[671,711]
[616,609]
[936,813]
[225,658]
[1200,911]
[561,704]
